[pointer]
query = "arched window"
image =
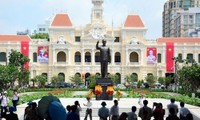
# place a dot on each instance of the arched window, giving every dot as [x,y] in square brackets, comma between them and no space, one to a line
[117,57]
[45,74]
[34,57]
[97,56]
[134,57]
[61,57]
[180,57]
[87,57]
[119,78]
[77,57]
[2,57]
[134,76]
[78,74]
[190,58]
[61,77]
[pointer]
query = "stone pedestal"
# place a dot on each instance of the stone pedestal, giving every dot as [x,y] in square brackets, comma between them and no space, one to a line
[104,82]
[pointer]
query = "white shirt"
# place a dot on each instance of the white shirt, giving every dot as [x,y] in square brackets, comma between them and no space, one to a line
[15,97]
[89,105]
[4,101]
[140,102]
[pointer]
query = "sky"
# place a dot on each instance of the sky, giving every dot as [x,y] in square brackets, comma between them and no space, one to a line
[19,15]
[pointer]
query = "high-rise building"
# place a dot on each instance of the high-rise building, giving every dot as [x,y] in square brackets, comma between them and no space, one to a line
[170,13]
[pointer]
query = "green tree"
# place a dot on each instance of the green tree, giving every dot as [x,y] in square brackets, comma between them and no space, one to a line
[161,80]
[76,79]
[150,79]
[8,75]
[18,60]
[42,79]
[92,80]
[190,77]
[114,78]
[56,79]
[40,36]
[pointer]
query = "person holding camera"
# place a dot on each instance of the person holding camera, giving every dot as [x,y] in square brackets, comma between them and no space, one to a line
[4,104]
[78,108]
[158,112]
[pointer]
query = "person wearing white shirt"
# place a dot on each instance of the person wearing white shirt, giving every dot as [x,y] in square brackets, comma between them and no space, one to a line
[89,109]
[141,99]
[4,104]
[15,99]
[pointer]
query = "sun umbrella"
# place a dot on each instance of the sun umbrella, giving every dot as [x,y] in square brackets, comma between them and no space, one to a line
[43,105]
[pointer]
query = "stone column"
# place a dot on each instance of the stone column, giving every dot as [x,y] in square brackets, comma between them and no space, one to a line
[113,57]
[82,57]
[69,56]
[93,57]
[127,56]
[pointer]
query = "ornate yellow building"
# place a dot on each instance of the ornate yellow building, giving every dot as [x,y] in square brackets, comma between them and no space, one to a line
[72,50]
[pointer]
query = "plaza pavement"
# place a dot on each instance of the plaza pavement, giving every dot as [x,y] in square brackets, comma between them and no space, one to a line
[125,105]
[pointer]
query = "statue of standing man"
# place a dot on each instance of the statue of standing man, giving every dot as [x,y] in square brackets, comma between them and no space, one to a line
[104,57]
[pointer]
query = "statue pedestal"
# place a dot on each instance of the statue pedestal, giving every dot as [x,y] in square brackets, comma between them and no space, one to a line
[104,83]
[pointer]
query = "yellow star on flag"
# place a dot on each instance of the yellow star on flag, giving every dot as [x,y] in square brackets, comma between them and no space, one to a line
[24,48]
[170,49]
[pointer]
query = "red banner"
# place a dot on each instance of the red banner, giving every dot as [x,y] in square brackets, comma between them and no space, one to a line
[169,57]
[25,52]
[151,55]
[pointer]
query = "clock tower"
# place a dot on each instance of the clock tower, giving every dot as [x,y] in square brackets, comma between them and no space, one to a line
[97,11]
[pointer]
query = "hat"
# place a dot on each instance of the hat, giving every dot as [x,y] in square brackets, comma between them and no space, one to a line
[29,103]
[103,103]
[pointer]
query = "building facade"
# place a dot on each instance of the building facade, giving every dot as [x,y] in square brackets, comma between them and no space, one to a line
[171,15]
[72,50]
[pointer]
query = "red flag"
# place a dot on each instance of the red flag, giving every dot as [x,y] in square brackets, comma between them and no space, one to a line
[25,52]
[169,57]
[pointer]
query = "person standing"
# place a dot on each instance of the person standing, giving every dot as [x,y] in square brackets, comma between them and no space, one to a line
[173,105]
[183,111]
[4,103]
[104,57]
[89,108]
[15,99]
[114,111]
[103,112]
[132,115]
[141,99]
[78,108]
[145,112]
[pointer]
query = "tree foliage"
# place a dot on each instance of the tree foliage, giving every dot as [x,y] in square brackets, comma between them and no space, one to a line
[41,79]
[190,77]
[115,78]
[150,79]
[18,60]
[76,79]
[40,36]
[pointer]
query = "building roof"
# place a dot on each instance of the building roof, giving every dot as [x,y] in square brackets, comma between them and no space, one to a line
[133,21]
[14,38]
[61,20]
[178,40]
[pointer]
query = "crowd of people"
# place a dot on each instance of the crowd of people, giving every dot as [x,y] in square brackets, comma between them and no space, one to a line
[56,111]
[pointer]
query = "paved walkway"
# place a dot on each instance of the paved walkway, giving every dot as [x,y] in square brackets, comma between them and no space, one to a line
[124,105]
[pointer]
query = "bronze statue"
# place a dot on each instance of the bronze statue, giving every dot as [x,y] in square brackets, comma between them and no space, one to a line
[104,57]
